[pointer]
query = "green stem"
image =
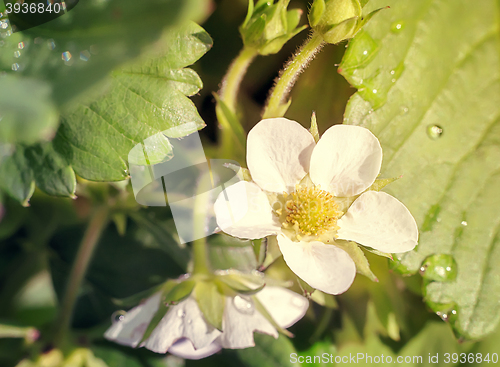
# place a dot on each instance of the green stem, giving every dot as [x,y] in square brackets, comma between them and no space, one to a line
[276,105]
[232,131]
[80,266]
[199,247]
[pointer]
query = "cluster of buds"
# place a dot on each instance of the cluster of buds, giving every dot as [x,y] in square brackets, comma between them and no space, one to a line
[268,25]
[337,20]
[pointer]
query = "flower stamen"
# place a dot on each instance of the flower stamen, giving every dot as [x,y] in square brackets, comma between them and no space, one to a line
[310,211]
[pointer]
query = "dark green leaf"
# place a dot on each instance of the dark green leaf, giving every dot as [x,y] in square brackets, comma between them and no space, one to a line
[147,100]
[16,177]
[268,352]
[52,173]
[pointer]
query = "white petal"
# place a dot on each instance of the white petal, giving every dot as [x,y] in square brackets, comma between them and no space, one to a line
[324,267]
[278,153]
[184,320]
[130,329]
[243,210]
[240,322]
[346,160]
[380,221]
[184,348]
[284,306]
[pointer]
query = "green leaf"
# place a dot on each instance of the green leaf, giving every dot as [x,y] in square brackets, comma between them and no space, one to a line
[52,173]
[359,258]
[16,177]
[428,77]
[141,101]
[27,113]
[211,302]
[98,36]
[268,352]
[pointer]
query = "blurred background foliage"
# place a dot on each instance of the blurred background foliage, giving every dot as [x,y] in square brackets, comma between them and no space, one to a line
[138,249]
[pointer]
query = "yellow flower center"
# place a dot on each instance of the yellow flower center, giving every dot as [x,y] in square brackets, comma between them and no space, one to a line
[310,211]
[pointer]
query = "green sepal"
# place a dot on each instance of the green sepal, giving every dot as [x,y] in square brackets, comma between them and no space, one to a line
[306,288]
[120,221]
[263,311]
[357,255]
[158,316]
[341,31]
[272,252]
[259,249]
[242,283]
[249,13]
[138,297]
[367,18]
[179,292]
[379,253]
[242,173]
[254,32]
[293,19]
[316,12]
[224,112]
[380,183]
[314,127]
[211,302]
[324,299]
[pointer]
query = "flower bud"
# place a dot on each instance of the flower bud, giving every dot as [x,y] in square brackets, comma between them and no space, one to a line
[337,20]
[268,25]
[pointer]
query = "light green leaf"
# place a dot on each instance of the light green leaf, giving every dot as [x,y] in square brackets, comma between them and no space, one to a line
[140,101]
[428,78]
[22,122]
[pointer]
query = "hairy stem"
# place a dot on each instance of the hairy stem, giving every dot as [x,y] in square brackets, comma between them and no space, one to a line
[232,131]
[276,105]
[80,266]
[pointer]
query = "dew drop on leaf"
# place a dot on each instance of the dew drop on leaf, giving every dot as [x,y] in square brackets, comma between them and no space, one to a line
[51,44]
[397,27]
[66,56]
[17,54]
[434,131]
[20,45]
[15,66]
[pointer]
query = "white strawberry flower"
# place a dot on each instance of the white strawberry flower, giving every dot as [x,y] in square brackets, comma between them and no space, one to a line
[184,332]
[302,192]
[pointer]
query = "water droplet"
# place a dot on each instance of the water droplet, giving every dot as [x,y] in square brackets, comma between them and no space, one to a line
[85,55]
[243,305]
[393,72]
[15,66]
[180,313]
[439,267]
[17,54]
[397,27]
[189,321]
[20,45]
[374,91]
[393,80]
[434,131]
[365,52]
[464,223]
[4,24]
[66,56]
[118,316]
[51,44]
[404,110]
